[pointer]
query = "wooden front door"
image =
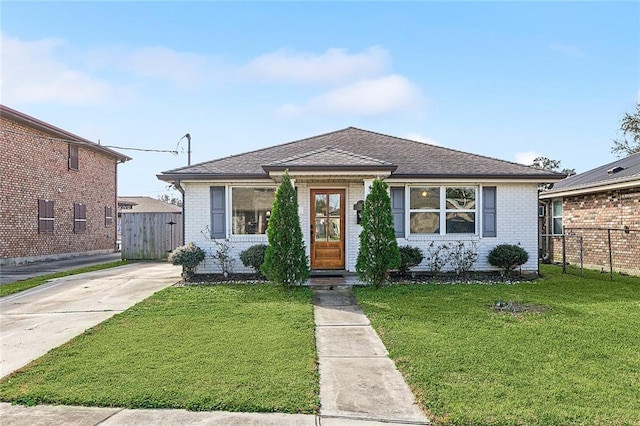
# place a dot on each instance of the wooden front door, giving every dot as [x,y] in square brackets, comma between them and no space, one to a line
[327,228]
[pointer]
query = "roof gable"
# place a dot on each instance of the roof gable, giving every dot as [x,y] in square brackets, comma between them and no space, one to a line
[352,147]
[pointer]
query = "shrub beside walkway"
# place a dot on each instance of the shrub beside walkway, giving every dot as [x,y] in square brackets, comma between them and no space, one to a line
[358,381]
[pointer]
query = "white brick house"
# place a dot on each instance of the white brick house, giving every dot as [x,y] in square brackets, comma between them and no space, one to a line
[438,195]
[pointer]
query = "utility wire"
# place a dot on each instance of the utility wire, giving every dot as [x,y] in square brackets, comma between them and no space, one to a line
[143,149]
[174,152]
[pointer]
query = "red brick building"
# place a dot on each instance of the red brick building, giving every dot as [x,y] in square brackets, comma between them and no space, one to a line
[598,212]
[57,191]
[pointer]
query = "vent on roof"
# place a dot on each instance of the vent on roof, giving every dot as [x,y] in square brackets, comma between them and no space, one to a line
[615,169]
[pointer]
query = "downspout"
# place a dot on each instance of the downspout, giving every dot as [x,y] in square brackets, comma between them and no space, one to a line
[179,187]
[114,214]
[548,215]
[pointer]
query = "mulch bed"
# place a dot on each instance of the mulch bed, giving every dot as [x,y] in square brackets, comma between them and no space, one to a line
[394,278]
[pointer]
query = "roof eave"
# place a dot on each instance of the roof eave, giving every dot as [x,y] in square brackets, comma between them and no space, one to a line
[171,177]
[607,186]
[496,176]
[63,134]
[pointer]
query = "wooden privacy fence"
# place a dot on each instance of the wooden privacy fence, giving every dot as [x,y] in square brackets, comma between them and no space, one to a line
[150,236]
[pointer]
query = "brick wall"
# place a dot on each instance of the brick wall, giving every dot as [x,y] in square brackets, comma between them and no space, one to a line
[34,167]
[587,217]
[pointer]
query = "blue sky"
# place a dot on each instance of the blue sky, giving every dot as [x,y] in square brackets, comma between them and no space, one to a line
[510,80]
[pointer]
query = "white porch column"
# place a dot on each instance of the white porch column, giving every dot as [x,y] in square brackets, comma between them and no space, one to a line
[367,186]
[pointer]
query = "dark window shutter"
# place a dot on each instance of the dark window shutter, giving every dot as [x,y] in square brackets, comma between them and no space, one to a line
[397,209]
[83,217]
[79,217]
[45,216]
[108,216]
[76,212]
[73,157]
[489,219]
[218,219]
[42,223]
[50,216]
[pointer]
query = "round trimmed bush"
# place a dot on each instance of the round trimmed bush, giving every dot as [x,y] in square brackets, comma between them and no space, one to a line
[507,257]
[409,257]
[189,257]
[253,257]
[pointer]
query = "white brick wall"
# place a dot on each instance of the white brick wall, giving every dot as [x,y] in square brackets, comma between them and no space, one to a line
[516,217]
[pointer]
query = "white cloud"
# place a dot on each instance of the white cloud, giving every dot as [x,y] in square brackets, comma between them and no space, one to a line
[421,138]
[161,63]
[332,66]
[569,50]
[32,72]
[527,157]
[379,96]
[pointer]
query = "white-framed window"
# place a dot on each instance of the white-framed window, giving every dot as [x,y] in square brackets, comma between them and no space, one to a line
[251,209]
[443,210]
[556,218]
[424,210]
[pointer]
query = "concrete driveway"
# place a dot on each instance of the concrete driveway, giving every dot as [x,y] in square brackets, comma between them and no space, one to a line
[37,320]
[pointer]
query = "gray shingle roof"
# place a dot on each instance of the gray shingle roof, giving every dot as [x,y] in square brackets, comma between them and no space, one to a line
[329,157]
[143,204]
[619,171]
[357,147]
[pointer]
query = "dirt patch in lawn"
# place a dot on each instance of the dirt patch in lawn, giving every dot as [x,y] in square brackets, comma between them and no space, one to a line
[512,307]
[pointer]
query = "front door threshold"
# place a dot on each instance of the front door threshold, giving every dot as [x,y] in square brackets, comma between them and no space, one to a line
[329,273]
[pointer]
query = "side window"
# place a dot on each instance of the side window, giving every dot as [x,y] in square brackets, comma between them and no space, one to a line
[557,227]
[45,216]
[108,216]
[73,157]
[79,218]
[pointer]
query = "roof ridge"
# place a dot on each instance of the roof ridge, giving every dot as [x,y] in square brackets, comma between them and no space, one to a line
[450,149]
[256,150]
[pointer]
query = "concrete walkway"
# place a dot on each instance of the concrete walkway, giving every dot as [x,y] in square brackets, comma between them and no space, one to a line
[358,381]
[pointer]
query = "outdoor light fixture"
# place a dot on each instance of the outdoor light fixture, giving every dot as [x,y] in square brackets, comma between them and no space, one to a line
[358,208]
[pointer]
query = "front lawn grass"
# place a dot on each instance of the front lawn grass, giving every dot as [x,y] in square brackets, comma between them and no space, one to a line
[576,363]
[228,347]
[17,286]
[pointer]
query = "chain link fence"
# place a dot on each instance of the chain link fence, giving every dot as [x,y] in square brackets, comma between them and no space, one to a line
[604,249]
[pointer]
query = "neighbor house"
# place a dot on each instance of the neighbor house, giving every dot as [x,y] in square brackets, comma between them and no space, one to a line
[596,210]
[57,192]
[439,196]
